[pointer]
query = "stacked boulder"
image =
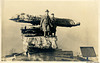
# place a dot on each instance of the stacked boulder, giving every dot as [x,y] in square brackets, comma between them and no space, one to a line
[40,42]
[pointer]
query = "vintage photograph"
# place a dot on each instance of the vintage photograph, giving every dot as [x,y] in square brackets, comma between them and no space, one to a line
[49,30]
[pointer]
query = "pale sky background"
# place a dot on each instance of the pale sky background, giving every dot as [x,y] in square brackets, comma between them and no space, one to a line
[69,39]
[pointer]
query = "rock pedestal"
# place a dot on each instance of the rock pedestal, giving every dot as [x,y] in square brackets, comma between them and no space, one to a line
[39,42]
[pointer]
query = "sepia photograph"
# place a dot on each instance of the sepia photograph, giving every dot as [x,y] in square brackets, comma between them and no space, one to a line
[45,30]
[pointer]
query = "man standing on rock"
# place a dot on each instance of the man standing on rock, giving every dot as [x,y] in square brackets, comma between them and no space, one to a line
[45,24]
[53,28]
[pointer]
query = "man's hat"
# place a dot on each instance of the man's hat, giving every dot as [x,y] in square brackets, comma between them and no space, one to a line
[52,14]
[47,10]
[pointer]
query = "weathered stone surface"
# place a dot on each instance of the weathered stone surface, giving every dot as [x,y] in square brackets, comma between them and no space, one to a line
[39,42]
